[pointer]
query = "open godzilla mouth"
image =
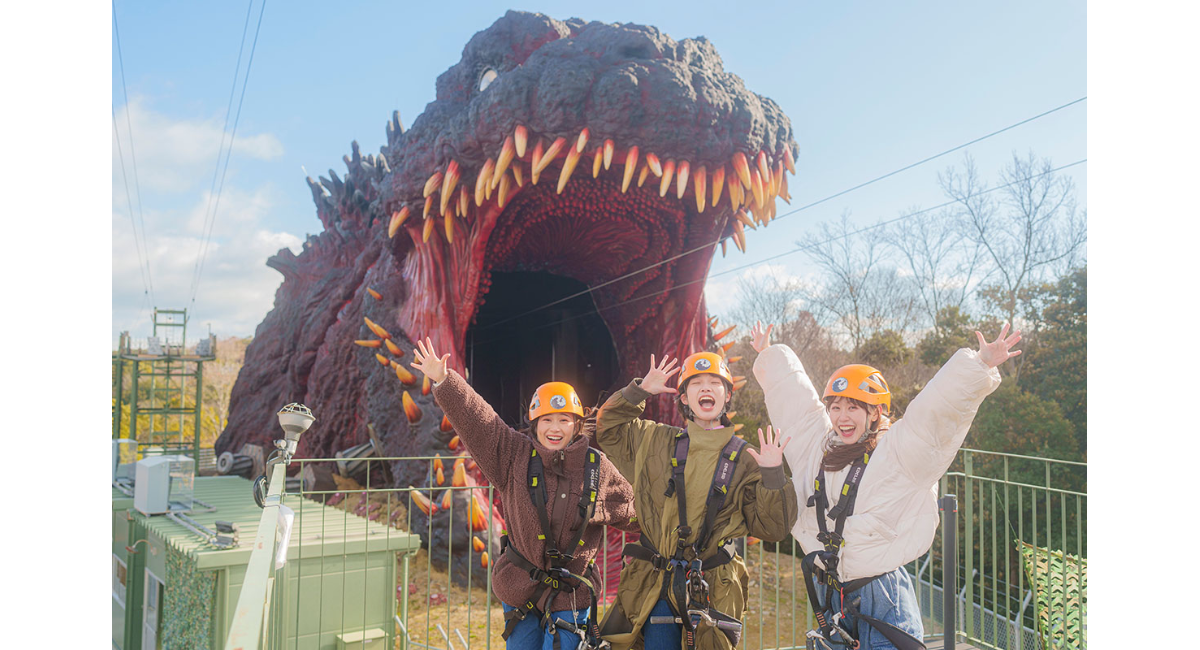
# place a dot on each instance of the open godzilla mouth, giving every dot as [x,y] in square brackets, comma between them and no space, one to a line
[551,215]
[590,152]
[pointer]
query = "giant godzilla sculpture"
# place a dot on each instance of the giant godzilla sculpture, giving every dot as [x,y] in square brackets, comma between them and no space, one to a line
[608,154]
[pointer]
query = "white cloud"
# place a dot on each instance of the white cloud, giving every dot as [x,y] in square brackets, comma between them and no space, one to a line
[176,155]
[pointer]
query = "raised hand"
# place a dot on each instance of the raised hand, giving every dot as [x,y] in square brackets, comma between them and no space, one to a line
[760,338]
[655,381]
[770,448]
[998,351]
[426,360]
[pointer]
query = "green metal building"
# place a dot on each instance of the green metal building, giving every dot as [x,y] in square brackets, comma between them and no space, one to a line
[172,588]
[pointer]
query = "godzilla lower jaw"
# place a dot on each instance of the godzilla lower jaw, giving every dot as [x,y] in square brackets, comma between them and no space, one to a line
[634,213]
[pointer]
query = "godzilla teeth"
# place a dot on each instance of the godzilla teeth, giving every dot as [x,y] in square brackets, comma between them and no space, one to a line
[520,138]
[667,171]
[506,155]
[411,410]
[368,343]
[597,160]
[422,502]
[481,182]
[393,348]
[460,477]
[449,181]
[477,544]
[609,147]
[534,158]
[581,141]
[427,231]
[783,190]
[643,174]
[787,159]
[700,190]
[383,361]
[432,184]
[447,498]
[518,175]
[742,168]
[550,154]
[631,159]
[723,247]
[567,168]
[718,180]
[464,201]
[428,206]
[741,217]
[397,221]
[446,427]
[720,335]
[505,185]
[756,186]
[763,168]
[681,178]
[448,221]
[655,166]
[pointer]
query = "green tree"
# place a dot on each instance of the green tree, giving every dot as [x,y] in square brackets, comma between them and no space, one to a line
[885,349]
[1056,367]
[954,330]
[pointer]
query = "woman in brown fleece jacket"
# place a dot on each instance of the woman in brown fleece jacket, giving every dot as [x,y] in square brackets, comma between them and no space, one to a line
[503,455]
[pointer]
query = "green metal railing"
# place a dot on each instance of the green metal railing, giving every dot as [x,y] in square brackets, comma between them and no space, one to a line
[440,597]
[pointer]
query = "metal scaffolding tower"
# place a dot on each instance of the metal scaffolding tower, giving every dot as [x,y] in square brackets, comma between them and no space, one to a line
[162,383]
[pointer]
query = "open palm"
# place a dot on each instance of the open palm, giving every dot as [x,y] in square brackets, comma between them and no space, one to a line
[655,381]
[427,361]
[770,448]
[760,337]
[1000,350]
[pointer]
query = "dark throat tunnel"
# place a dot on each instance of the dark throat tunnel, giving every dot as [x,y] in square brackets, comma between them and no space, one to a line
[508,358]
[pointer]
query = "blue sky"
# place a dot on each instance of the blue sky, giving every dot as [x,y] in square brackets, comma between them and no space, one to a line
[869,88]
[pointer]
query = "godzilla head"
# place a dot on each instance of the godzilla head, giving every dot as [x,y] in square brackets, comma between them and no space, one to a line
[587,151]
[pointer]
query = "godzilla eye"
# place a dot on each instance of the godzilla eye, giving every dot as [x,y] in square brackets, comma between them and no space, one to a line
[487,78]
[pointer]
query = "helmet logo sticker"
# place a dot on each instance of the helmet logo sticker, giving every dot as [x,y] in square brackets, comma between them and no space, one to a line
[558,402]
[840,384]
[533,406]
[702,364]
[575,399]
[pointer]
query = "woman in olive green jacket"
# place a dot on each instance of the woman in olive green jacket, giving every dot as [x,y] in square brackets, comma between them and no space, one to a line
[759,501]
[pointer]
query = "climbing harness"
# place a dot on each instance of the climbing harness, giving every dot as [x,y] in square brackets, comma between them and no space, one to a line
[556,578]
[831,630]
[685,579]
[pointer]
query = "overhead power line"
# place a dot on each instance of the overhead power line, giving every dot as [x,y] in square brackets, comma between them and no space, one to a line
[793,251]
[786,214]
[228,153]
[149,278]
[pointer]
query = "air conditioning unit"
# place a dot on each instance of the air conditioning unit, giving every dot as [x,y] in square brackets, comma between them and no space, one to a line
[163,484]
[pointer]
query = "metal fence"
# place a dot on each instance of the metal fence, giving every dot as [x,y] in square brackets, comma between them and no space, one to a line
[440,596]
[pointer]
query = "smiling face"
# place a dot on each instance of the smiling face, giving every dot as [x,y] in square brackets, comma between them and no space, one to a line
[556,430]
[851,419]
[707,395]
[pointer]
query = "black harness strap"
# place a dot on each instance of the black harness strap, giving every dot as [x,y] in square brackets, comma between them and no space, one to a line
[828,620]
[553,579]
[686,579]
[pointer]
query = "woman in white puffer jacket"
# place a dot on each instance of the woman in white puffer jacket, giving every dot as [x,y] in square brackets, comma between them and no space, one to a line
[894,515]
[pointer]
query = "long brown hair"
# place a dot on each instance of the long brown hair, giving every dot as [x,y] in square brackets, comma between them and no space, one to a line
[838,456]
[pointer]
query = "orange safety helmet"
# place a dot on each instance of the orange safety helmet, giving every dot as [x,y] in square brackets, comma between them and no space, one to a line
[860,382]
[554,397]
[704,363]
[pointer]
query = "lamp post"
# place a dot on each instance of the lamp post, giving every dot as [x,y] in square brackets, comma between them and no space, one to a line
[295,419]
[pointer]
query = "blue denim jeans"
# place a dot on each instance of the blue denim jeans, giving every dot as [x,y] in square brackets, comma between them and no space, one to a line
[889,598]
[530,635]
[662,636]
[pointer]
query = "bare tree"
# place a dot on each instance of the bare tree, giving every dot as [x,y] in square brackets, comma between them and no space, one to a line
[1027,227]
[859,293]
[943,262]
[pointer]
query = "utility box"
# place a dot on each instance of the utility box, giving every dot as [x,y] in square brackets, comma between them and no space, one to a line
[170,583]
[164,483]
